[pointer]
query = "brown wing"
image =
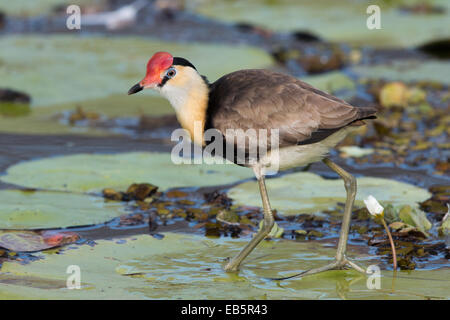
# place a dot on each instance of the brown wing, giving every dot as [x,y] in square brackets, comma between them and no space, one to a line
[262,99]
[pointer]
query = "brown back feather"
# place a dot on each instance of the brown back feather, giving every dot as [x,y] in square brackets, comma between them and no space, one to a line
[262,99]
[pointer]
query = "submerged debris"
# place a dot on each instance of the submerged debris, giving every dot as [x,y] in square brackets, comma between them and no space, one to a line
[79,115]
[136,191]
[30,241]
[412,123]
[141,191]
[312,61]
[219,198]
[437,205]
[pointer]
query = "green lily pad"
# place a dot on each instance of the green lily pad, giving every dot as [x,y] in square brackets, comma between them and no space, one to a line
[355,151]
[94,172]
[45,210]
[142,267]
[346,22]
[10,109]
[35,7]
[55,69]
[305,192]
[331,81]
[445,226]
[407,71]
[44,120]
[415,218]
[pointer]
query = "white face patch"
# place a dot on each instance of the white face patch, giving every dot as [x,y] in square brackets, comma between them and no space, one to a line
[177,96]
[184,88]
[188,94]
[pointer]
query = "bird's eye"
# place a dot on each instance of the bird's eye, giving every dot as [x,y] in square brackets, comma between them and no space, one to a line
[171,73]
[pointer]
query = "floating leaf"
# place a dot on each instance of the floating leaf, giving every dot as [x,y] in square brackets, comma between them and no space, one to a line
[94,172]
[45,210]
[414,218]
[287,15]
[117,63]
[355,151]
[35,7]
[181,267]
[397,225]
[305,192]
[394,94]
[445,225]
[331,81]
[228,216]
[407,70]
[10,109]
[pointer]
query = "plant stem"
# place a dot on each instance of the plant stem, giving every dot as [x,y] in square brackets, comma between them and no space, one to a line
[394,254]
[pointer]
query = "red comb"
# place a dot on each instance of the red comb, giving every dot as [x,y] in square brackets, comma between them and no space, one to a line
[157,64]
[160,61]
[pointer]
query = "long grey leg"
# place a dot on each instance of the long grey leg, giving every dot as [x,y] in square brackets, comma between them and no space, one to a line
[341,260]
[350,187]
[233,264]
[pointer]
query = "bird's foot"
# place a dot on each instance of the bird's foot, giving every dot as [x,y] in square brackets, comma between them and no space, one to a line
[338,264]
[231,266]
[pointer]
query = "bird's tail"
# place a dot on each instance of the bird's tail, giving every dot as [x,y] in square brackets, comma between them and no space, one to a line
[367,113]
[363,114]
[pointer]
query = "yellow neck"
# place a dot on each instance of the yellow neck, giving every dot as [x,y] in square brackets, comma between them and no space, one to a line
[192,115]
[188,94]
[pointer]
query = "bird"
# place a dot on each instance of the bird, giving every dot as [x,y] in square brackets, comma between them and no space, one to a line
[308,122]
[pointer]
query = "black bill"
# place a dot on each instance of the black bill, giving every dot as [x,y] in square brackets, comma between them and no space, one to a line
[135,88]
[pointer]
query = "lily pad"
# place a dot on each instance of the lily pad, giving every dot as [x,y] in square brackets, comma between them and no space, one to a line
[45,210]
[406,71]
[345,22]
[414,218]
[94,172]
[445,227]
[41,62]
[35,7]
[9,109]
[355,151]
[331,81]
[45,120]
[305,192]
[142,267]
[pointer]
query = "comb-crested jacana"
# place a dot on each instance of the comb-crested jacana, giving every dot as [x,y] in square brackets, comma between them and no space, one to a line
[309,122]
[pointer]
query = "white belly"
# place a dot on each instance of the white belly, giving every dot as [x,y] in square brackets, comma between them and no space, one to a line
[299,155]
